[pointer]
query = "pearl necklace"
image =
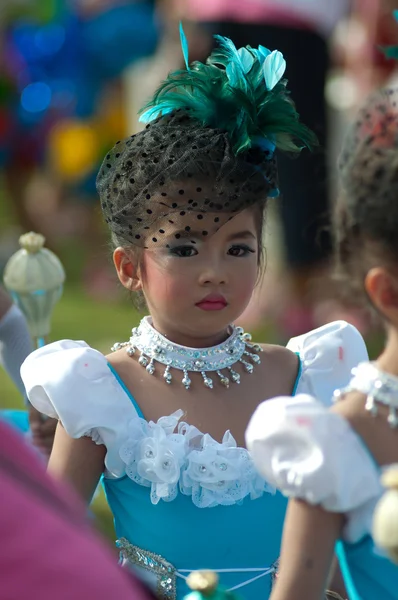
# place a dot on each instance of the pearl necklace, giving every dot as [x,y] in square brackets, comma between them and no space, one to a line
[156,348]
[379,387]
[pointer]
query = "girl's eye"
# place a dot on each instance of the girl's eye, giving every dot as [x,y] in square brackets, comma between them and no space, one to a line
[240,250]
[183,251]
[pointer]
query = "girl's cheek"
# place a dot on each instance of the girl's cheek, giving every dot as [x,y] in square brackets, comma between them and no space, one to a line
[245,284]
[165,287]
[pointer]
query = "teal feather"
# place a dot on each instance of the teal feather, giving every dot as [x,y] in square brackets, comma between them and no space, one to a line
[238,91]
[273,68]
[184,46]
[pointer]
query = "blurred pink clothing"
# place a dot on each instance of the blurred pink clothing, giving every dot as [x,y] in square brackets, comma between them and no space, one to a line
[318,15]
[47,550]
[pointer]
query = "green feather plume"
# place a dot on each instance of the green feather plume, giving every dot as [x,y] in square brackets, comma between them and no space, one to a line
[240,91]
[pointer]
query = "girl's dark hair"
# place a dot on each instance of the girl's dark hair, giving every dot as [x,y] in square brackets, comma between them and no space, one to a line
[366,214]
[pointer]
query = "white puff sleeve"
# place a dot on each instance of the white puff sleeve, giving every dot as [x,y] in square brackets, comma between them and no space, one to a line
[72,382]
[310,453]
[327,355]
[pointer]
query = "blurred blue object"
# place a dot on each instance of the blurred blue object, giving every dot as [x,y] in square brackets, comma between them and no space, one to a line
[64,65]
[18,419]
[119,36]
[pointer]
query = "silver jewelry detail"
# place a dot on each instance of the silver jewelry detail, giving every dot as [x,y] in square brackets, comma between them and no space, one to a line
[254,347]
[223,380]
[379,387]
[165,572]
[151,367]
[256,359]
[247,366]
[235,376]
[155,348]
[186,382]
[143,361]
[207,381]
[371,405]
[393,417]
[118,346]
[167,376]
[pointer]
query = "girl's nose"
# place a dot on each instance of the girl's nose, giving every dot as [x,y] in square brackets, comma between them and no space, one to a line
[213,274]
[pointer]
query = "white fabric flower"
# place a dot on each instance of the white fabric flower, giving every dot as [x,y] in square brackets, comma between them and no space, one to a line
[220,474]
[155,456]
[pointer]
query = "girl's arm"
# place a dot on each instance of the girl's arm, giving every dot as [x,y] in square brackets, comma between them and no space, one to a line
[308,542]
[80,462]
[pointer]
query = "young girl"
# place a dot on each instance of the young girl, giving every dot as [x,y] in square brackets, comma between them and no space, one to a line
[330,461]
[163,417]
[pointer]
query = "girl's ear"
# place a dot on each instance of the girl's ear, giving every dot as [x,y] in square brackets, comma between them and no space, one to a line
[382,288]
[127,269]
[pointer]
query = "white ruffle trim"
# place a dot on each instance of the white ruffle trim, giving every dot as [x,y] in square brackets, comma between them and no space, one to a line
[171,456]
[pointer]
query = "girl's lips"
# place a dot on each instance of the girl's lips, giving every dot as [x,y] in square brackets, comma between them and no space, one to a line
[212,302]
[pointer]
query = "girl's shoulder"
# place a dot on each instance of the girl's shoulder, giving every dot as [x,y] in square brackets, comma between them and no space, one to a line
[312,453]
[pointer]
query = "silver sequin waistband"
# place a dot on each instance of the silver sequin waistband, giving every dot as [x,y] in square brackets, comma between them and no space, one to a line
[166,573]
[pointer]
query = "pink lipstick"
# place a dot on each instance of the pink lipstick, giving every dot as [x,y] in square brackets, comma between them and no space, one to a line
[212,302]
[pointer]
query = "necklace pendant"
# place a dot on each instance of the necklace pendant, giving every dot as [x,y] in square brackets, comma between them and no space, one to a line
[207,381]
[246,337]
[371,405]
[130,350]
[167,376]
[392,418]
[247,366]
[254,347]
[116,346]
[234,375]
[256,359]
[186,382]
[151,367]
[223,380]
[143,361]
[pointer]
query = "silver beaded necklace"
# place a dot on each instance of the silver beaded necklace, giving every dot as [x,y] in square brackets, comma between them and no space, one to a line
[156,348]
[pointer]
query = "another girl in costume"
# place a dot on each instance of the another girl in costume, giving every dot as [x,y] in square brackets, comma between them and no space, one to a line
[163,417]
[330,460]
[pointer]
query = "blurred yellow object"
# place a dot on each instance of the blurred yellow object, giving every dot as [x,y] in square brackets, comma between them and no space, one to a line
[385,519]
[73,149]
[205,582]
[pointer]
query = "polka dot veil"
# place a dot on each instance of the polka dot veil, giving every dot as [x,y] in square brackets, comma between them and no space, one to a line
[177,178]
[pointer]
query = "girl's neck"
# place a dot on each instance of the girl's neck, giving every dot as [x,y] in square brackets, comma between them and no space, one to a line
[190,340]
[388,361]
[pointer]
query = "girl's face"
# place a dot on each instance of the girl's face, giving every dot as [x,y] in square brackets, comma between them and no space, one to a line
[197,286]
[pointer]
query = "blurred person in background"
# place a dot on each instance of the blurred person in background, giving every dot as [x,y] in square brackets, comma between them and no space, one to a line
[304,30]
[15,340]
[15,345]
[48,550]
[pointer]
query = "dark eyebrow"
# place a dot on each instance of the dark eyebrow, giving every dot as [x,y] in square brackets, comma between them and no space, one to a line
[241,235]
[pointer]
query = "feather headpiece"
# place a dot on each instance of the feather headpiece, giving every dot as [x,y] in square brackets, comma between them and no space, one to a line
[239,91]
